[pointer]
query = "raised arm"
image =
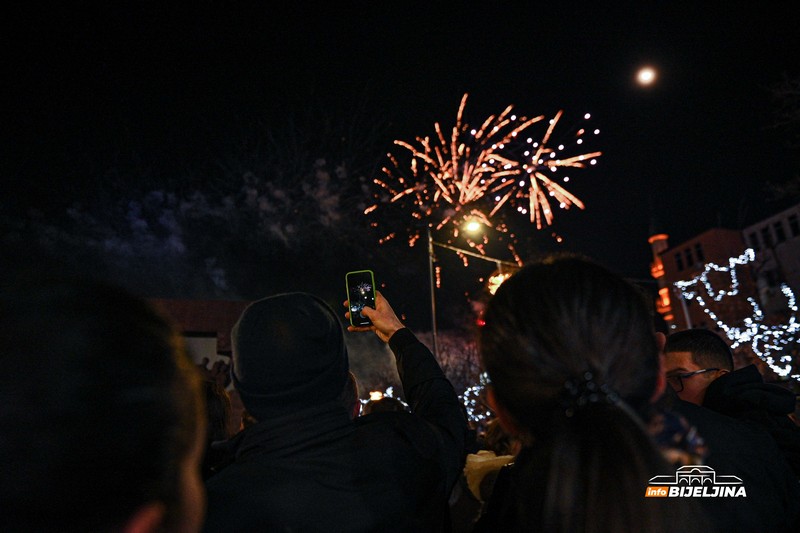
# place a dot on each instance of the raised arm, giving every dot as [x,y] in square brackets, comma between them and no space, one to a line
[428,391]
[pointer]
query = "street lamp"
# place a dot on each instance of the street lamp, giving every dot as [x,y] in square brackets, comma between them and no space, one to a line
[471,226]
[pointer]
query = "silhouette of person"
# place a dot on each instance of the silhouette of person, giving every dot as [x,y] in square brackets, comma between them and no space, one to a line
[102,426]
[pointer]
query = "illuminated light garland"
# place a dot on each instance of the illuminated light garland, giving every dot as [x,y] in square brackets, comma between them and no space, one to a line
[476,409]
[767,341]
[746,257]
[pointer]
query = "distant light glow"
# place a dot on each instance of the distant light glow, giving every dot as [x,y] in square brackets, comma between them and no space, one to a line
[495,281]
[646,76]
[473,226]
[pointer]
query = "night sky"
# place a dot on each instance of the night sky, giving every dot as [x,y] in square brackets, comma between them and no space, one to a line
[88,86]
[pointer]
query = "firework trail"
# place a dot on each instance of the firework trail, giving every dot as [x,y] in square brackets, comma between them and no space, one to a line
[469,174]
[536,186]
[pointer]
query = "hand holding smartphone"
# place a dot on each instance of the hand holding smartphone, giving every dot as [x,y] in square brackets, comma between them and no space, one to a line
[360,292]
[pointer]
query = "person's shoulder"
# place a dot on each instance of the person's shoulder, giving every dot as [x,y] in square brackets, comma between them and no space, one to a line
[744,390]
[711,422]
[252,470]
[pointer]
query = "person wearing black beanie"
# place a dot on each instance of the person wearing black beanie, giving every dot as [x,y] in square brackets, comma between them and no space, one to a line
[288,354]
[307,464]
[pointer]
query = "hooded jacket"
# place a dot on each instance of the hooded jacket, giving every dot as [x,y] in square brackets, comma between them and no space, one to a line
[743,394]
[315,469]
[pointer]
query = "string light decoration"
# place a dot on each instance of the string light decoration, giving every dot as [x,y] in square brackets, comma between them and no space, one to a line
[473,400]
[770,342]
[469,174]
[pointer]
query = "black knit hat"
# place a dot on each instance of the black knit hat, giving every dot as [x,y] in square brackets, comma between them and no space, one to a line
[288,354]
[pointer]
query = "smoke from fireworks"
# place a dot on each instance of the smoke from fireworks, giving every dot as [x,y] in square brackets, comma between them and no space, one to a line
[470,174]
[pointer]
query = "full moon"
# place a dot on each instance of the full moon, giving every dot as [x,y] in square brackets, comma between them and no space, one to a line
[646,76]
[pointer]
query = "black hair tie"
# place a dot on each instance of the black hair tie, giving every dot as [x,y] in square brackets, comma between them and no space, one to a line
[583,391]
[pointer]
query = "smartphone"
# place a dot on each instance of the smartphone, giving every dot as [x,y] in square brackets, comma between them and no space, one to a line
[360,292]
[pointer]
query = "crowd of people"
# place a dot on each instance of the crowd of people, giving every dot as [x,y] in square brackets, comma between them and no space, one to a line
[107,424]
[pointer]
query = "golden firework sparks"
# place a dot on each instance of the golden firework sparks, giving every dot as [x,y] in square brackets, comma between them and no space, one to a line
[469,174]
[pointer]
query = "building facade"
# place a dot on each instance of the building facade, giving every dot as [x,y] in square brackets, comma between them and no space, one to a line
[742,282]
[690,261]
[205,324]
[776,242]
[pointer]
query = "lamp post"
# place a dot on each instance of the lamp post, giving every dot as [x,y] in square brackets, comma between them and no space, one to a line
[431,259]
[432,274]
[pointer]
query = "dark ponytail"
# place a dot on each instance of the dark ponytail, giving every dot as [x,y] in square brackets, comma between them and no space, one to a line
[600,462]
[571,354]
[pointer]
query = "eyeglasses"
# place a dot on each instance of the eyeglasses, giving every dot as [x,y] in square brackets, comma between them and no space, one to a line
[676,380]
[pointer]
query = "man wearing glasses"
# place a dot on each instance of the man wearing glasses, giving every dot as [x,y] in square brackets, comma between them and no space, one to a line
[699,367]
[694,358]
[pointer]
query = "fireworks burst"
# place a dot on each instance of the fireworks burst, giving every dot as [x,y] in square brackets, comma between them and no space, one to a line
[537,186]
[469,174]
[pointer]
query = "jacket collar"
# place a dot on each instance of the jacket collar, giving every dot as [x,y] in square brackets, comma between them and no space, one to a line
[285,435]
[745,389]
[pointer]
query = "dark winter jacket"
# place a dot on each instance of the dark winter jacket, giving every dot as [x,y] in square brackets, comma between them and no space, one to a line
[317,470]
[745,450]
[743,394]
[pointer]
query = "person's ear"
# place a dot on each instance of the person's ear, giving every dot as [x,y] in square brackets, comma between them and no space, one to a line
[661,376]
[147,519]
[661,341]
[661,380]
[505,419]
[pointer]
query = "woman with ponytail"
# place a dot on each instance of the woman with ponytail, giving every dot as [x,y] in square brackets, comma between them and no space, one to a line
[573,363]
